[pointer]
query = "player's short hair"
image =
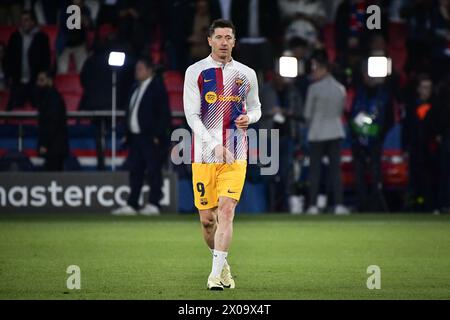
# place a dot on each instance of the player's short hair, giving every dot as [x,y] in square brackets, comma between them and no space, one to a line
[221,23]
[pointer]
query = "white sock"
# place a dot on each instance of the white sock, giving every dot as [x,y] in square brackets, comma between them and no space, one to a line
[212,253]
[219,258]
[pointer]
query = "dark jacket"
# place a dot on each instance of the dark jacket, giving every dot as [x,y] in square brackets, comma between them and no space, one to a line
[38,56]
[153,113]
[376,102]
[52,132]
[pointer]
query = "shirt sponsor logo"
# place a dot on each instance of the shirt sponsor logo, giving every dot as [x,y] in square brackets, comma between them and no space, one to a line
[212,97]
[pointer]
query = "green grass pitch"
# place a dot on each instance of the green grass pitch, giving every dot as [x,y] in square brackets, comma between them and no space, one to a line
[272,257]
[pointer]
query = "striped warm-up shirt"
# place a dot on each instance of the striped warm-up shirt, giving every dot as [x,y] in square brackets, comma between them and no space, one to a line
[215,94]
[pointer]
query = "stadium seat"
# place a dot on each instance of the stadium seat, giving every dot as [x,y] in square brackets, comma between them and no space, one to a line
[397,34]
[68,83]
[329,41]
[52,32]
[176,101]
[399,56]
[173,81]
[4,97]
[104,30]
[72,101]
[5,33]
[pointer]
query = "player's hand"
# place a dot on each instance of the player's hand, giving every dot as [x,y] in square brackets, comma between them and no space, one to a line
[242,121]
[223,154]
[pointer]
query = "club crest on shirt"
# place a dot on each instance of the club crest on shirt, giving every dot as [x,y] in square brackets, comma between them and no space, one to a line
[239,81]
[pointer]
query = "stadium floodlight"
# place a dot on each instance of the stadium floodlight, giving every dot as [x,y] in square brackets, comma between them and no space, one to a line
[379,67]
[116,59]
[288,67]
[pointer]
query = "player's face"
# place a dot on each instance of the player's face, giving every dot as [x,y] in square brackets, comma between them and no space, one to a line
[222,43]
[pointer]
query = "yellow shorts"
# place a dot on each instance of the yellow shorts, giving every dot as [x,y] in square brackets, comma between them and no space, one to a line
[213,180]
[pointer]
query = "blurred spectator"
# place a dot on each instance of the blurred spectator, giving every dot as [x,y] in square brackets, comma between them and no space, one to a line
[137,22]
[96,77]
[73,41]
[419,17]
[10,11]
[299,48]
[47,11]
[224,9]
[377,46]
[282,110]
[302,18]
[331,9]
[441,50]
[347,68]
[148,123]
[395,8]
[419,142]
[351,29]
[178,28]
[197,40]
[96,80]
[323,110]
[442,127]
[257,29]
[53,143]
[2,68]
[108,13]
[27,53]
[372,116]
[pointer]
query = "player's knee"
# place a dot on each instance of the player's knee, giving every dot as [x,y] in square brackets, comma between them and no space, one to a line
[207,223]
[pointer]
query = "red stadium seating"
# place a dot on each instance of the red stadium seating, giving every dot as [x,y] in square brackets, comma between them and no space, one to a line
[329,41]
[176,101]
[173,81]
[72,101]
[104,30]
[68,83]
[397,34]
[52,32]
